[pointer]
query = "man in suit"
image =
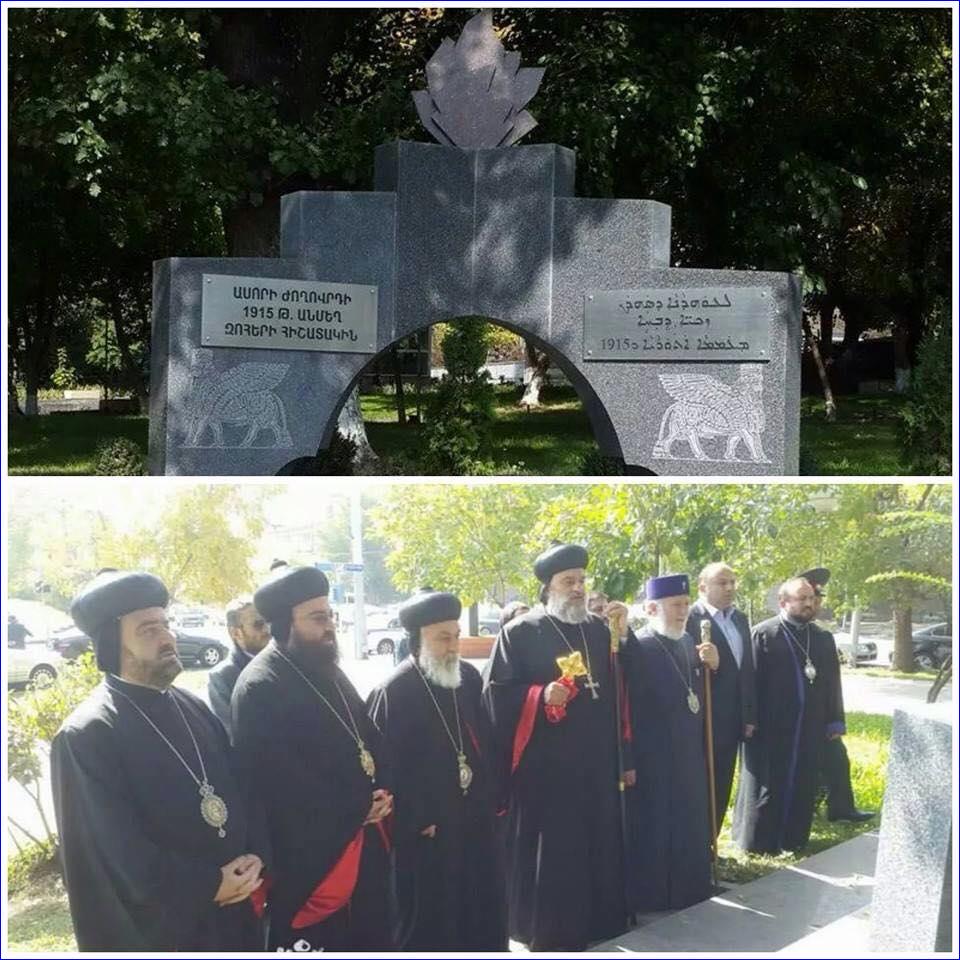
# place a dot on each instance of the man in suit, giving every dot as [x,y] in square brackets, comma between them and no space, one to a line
[249,633]
[734,691]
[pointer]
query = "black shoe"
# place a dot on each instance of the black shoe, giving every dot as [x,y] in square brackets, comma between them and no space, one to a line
[853,816]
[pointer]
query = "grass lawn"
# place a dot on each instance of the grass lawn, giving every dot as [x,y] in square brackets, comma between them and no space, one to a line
[888,673]
[868,743]
[65,444]
[862,441]
[38,919]
[550,441]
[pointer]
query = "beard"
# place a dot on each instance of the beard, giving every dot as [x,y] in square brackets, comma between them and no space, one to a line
[321,657]
[803,616]
[566,609]
[658,626]
[443,671]
[159,673]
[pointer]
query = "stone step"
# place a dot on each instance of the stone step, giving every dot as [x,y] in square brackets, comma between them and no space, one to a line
[770,914]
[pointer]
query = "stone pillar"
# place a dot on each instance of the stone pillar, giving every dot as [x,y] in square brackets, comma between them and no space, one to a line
[912,899]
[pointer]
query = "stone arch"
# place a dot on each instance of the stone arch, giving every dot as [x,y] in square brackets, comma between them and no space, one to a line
[600,422]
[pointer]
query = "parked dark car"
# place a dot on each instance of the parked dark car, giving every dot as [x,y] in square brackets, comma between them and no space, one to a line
[192,648]
[931,645]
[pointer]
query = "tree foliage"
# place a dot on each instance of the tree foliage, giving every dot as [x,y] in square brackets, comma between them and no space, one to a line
[202,546]
[471,540]
[137,134]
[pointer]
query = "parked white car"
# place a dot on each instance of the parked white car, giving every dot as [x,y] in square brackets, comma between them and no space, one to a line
[36,665]
[385,641]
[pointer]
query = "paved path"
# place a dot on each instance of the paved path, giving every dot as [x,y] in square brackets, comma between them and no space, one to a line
[770,914]
[882,695]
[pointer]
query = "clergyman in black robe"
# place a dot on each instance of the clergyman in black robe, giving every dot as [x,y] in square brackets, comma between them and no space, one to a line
[310,753]
[145,868]
[560,779]
[449,868]
[668,860]
[800,706]
[835,769]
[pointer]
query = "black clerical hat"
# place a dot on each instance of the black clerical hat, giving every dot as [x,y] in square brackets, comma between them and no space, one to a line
[424,608]
[818,577]
[285,588]
[561,556]
[97,608]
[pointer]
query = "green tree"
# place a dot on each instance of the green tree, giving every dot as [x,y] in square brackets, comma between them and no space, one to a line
[892,543]
[201,546]
[138,134]
[469,540]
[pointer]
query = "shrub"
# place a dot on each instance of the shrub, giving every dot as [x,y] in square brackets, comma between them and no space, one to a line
[925,421]
[64,377]
[119,457]
[595,464]
[33,720]
[33,861]
[337,459]
[460,411]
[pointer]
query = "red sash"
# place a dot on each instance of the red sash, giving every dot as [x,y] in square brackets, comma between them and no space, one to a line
[528,716]
[336,888]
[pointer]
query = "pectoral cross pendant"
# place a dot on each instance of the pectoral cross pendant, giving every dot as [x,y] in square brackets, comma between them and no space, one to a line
[592,686]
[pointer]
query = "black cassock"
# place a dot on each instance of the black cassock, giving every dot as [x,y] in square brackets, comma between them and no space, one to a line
[564,834]
[450,889]
[781,761]
[140,864]
[304,768]
[668,861]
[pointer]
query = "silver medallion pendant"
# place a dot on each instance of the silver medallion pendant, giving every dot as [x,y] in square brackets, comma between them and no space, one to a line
[465,773]
[810,671]
[693,702]
[213,809]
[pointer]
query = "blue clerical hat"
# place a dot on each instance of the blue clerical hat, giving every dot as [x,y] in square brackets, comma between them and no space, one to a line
[669,585]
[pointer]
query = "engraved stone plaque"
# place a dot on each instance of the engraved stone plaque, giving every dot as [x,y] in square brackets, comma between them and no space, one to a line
[274,314]
[678,325]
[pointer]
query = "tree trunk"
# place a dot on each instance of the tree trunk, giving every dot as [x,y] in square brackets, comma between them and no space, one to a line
[826,328]
[350,425]
[31,406]
[13,404]
[132,372]
[539,364]
[398,384]
[901,356]
[23,830]
[903,639]
[831,406]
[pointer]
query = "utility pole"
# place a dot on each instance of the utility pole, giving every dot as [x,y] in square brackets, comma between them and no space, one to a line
[359,607]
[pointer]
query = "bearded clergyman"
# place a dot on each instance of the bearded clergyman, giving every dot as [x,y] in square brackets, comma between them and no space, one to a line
[669,821]
[552,696]
[799,708]
[449,871]
[160,850]
[312,757]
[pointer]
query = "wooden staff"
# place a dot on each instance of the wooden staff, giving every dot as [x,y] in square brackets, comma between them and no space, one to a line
[711,773]
[615,676]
